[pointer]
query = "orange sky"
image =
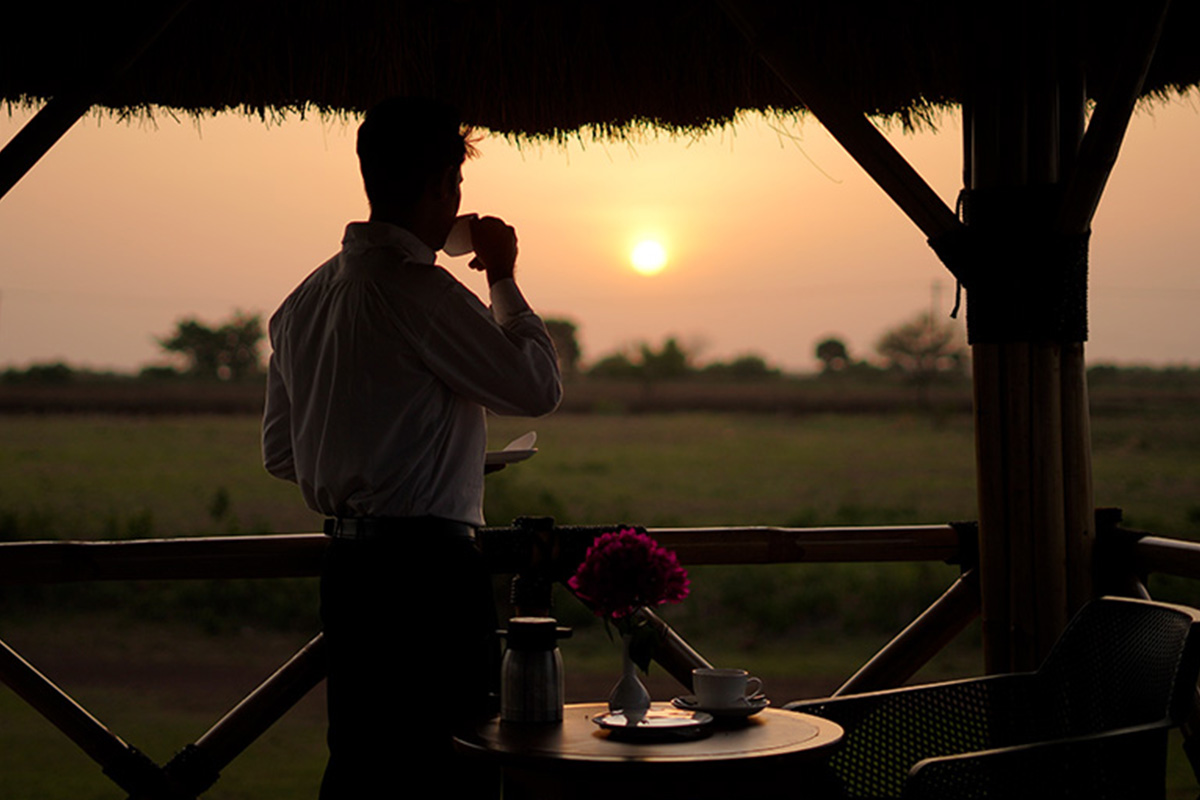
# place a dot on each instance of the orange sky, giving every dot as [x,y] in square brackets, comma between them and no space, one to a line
[775,238]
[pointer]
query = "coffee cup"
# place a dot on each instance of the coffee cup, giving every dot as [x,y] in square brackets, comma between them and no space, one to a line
[723,688]
[458,241]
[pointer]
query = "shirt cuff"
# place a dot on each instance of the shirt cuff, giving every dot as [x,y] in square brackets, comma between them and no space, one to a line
[507,301]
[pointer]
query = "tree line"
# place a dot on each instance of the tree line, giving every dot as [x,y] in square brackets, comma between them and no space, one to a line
[922,350]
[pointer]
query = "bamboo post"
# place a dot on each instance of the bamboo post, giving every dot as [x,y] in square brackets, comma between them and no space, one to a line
[987,367]
[1079,514]
[1047,529]
[1021,129]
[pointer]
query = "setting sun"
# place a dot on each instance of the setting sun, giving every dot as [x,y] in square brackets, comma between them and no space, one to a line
[648,257]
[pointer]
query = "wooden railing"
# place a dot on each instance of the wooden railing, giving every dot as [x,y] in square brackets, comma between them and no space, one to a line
[539,553]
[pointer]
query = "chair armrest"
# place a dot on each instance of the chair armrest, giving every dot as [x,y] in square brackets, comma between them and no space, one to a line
[1122,763]
[888,732]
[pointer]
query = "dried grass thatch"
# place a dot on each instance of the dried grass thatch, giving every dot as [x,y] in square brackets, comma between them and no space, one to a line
[531,68]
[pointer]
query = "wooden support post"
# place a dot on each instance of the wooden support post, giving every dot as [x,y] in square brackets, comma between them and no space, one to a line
[1021,128]
[102,745]
[250,718]
[671,651]
[861,139]
[1079,515]
[1047,529]
[920,641]
[990,436]
[67,106]
[1102,143]
[125,765]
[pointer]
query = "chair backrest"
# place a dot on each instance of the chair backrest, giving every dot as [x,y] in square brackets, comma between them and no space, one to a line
[1121,662]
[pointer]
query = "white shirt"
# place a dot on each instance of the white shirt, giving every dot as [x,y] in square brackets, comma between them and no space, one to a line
[382,367]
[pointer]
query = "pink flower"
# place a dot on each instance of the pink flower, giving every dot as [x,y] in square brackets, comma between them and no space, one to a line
[626,570]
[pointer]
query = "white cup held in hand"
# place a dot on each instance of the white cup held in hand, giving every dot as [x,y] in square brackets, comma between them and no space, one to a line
[458,241]
[723,688]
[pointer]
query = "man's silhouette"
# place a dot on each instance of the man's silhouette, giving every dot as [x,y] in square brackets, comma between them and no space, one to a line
[383,367]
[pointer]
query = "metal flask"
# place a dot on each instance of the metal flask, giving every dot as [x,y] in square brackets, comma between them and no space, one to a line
[531,674]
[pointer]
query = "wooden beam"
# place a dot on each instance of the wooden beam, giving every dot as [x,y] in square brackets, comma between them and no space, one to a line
[98,742]
[260,709]
[1167,557]
[671,651]
[66,107]
[284,555]
[299,554]
[1106,130]
[861,139]
[924,638]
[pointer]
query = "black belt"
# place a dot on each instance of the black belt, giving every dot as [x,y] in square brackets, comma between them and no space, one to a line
[364,528]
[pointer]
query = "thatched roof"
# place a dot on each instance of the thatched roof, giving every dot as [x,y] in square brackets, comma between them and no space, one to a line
[537,68]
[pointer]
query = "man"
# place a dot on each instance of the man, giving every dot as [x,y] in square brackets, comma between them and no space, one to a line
[383,365]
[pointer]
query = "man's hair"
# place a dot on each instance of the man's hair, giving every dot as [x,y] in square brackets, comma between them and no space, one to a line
[404,142]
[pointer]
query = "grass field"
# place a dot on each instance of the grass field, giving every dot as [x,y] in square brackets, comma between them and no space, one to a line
[200,644]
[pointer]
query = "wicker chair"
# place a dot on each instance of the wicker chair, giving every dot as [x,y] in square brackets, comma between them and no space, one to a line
[1091,722]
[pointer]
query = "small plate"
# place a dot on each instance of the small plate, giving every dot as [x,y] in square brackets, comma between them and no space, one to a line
[495,457]
[752,706]
[658,723]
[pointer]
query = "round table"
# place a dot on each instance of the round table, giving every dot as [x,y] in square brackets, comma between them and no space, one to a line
[578,759]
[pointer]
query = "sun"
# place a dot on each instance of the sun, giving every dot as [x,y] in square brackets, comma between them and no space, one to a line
[648,257]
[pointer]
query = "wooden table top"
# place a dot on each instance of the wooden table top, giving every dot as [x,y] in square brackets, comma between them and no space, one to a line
[772,736]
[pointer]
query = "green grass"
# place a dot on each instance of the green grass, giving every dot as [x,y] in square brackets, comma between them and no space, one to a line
[102,477]
[712,469]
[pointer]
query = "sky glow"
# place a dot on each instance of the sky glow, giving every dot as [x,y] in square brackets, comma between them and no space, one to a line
[776,239]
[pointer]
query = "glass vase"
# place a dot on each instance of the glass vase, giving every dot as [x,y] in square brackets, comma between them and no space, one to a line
[629,695]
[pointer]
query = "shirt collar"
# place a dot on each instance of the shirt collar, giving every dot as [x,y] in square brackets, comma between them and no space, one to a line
[364,235]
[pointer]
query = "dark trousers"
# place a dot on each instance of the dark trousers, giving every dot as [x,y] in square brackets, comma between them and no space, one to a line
[410,623]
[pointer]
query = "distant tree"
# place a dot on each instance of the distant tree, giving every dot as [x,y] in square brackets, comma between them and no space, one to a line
[50,373]
[670,361]
[227,352]
[566,342]
[833,354]
[923,349]
[158,372]
[743,368]
[615,366]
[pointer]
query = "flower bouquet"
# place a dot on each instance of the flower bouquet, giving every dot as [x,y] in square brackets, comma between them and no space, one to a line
[623,572]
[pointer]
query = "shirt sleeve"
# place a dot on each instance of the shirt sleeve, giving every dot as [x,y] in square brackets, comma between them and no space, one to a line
[277,426]
[501,358]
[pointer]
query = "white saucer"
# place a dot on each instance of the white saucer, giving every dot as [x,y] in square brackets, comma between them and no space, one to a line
[655,723]
[752,706]
[496,457]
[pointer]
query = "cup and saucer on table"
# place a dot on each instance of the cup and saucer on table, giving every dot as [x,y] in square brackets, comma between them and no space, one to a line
[724,693]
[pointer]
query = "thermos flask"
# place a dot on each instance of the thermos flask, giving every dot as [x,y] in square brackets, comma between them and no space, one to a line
[531,674]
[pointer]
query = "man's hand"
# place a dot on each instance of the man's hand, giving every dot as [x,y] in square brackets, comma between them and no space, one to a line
[495,248]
